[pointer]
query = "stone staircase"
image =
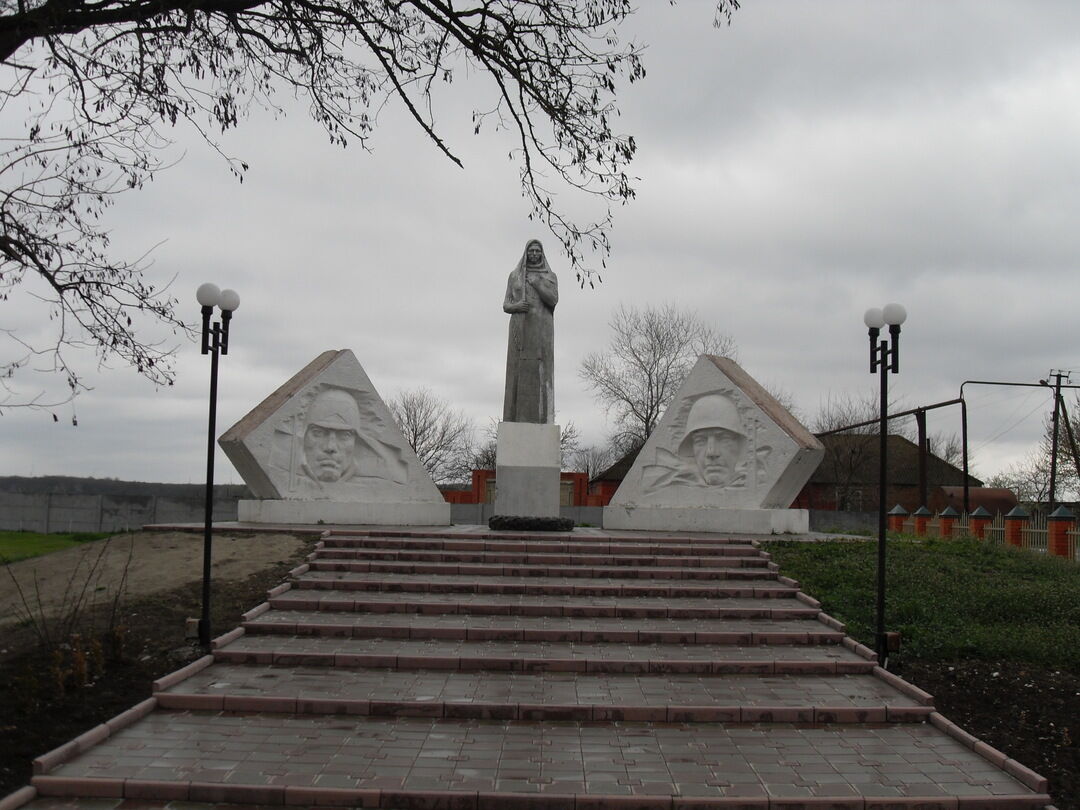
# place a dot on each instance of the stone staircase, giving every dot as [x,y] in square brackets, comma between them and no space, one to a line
[583,671]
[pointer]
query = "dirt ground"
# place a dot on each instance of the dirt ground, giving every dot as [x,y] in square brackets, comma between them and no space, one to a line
[132,566]
[59,681]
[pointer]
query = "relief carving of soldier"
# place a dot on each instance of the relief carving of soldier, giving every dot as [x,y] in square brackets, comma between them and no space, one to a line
[337,455]
[712,451]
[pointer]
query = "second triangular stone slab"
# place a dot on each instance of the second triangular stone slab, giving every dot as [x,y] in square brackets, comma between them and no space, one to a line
[726,456]
[324,448]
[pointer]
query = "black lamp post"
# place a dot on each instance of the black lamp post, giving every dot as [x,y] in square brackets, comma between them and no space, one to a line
[884,357]
[215,341]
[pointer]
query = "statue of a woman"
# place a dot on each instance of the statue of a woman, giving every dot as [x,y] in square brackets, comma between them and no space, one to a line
[532,291]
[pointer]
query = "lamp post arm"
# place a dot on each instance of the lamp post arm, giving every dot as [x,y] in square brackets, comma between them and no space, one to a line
[226,316]
[875,358]
[206,313]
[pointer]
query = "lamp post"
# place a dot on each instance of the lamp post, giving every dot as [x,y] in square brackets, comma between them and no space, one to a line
[215,341]
[884,357]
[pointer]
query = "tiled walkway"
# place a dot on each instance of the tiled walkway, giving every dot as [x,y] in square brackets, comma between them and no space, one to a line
[577,671]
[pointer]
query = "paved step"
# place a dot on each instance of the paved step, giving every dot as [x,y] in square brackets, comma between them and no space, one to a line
[539,559]
[541,628]
[539,605]
[575,571]
[545,695]
[412,762]
[589,546]
[551,586]
[498,671]
[579,535]
[539,655]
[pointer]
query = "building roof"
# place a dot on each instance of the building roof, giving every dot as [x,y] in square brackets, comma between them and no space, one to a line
[619,470]
[853,458]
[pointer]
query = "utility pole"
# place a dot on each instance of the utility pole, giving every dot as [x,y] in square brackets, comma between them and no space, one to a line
[1057,375]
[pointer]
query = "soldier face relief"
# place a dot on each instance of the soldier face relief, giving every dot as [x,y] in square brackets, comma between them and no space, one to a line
[716,452]
[329,452]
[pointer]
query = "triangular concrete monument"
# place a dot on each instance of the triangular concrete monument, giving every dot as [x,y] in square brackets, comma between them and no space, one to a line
[726,456]
[324,447]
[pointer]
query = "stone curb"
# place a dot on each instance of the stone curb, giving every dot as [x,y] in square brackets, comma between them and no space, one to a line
[88,739]
[912,691]
[303,568]
[1021,773]
[809,600]
[256,611]
[226,638]
[835,624]
[841,715]
[281,795]
[278,590]
[182,674]
[17,798]
[539,664]
[859,649]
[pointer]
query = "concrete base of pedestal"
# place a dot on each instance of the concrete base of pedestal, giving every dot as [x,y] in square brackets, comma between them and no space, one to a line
[690,519]
[423,513]
[527,466]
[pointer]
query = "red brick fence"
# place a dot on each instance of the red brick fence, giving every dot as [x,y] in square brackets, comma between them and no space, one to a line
[1056,534]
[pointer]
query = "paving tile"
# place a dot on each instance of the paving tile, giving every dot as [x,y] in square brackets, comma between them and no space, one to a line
[468,669]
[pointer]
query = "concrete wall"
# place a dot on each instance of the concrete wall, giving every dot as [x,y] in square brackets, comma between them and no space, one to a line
[825,520]
[55,512]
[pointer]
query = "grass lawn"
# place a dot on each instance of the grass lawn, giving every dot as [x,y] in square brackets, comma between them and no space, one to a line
[950,599]
[21,545]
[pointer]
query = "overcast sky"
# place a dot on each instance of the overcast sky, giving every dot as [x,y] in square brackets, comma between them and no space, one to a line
[805,163]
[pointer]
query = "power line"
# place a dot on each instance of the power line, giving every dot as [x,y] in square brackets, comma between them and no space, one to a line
[1013,426]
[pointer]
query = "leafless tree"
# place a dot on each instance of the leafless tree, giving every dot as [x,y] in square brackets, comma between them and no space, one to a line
[569,441]
[848,455]
[483,450]
[1030,478]
[948,447]
[440,436]
[650,352]
[594,459]
[99,83]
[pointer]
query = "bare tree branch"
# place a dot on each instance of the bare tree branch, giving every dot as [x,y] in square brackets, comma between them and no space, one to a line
[648,356]
[440,436]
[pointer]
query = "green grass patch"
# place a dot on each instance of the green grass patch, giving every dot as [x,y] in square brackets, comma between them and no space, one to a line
[22,545]
[950,599]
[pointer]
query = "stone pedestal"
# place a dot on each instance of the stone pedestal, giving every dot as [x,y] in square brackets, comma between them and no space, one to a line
[408,513]
[700,519]
[527,469]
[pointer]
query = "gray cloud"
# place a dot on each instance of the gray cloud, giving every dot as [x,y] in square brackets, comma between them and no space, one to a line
[797,167]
